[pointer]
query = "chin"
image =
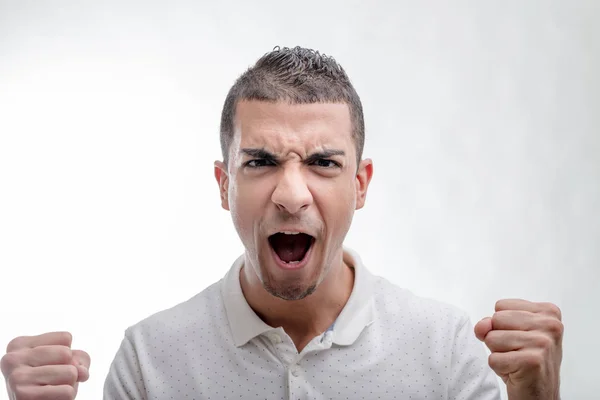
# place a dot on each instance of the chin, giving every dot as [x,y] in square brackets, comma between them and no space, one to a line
[289,292]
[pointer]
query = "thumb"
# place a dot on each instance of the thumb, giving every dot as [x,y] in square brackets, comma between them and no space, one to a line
[483,327]
[82,361]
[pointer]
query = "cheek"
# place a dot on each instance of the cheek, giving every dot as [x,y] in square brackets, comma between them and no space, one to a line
[337,203]
[247,204]
[345,211]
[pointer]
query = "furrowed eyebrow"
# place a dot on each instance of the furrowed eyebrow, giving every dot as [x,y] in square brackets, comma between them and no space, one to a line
[259,153]
[264,154]
[325,154]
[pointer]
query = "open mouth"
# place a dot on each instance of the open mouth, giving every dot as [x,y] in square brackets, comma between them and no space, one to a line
[291,248]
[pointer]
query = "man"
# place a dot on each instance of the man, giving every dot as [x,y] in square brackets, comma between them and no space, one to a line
[298,316]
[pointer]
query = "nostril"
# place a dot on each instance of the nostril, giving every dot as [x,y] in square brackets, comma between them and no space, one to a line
[292,201]
[291,208]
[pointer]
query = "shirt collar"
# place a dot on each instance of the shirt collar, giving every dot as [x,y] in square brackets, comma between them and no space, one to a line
[358,313]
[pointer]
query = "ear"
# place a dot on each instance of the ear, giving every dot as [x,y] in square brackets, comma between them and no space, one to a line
[363,178]
[223,180]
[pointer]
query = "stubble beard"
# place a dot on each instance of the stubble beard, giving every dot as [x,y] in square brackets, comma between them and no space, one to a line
[289,292]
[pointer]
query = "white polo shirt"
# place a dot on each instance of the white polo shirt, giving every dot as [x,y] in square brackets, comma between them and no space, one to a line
[386,344]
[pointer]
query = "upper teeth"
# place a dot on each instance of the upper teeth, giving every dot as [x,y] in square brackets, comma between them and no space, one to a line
[290,233]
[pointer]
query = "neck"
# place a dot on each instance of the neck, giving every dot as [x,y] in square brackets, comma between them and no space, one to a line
[301,319]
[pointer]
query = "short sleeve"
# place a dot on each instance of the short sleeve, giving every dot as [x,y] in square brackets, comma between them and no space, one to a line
[471,377]
[124,380]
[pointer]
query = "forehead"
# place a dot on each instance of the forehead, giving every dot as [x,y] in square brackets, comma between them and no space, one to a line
[280,126]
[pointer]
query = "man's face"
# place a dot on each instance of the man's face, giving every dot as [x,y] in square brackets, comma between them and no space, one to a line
[292,187]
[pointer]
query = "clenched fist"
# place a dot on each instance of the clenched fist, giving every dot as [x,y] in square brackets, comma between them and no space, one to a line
[525,339]
[44,367]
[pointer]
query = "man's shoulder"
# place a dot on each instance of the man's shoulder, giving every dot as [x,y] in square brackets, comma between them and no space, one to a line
[203,310]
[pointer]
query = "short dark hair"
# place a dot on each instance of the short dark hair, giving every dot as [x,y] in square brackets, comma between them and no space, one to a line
[298,76]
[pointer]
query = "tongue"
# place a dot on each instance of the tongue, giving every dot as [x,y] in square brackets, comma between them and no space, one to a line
[290,247]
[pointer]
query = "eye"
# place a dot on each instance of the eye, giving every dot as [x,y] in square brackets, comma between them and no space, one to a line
[325,163]
[259,162]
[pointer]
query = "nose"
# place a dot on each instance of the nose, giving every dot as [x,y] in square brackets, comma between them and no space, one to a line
[291,193]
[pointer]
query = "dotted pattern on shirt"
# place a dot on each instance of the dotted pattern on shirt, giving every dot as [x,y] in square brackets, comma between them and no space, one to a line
[416,349]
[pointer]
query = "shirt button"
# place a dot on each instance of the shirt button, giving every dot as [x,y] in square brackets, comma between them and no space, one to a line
[275,338]
[295,370]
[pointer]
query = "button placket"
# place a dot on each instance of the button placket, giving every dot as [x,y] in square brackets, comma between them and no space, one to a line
[295,370]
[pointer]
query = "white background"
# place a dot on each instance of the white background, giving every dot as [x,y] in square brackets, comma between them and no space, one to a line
[483,121]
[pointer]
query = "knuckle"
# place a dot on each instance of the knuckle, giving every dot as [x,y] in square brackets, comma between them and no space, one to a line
[544,342]
[496,318]
[67,336]
[9,362]
[556,328]
[72,374]
[534,360]
[554,309]
[498,305]
[493,360]
[501,318]
[490,338]
[63,354]
[17,378]
[70,392]
[15,344]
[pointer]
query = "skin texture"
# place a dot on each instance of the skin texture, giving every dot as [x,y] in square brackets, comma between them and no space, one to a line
[294,192]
